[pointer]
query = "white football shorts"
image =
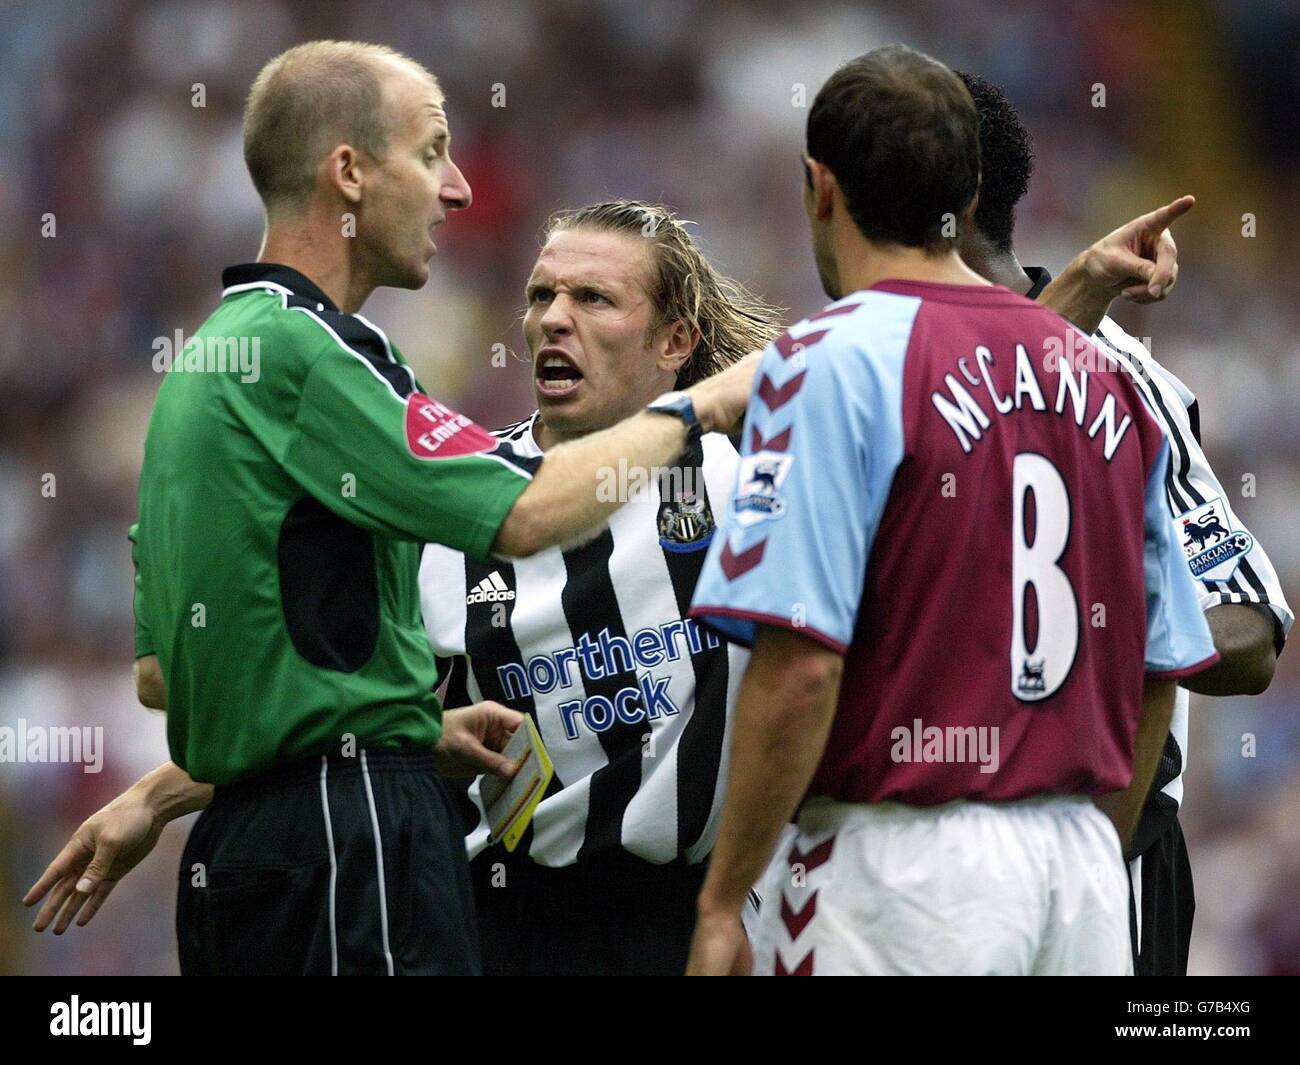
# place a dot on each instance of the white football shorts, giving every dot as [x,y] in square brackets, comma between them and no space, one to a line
[1035,887]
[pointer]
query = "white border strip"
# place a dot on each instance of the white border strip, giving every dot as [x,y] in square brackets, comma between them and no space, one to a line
[249,286]
[379,862]
[497,458]
[388,347]
[334,869]
[352,351]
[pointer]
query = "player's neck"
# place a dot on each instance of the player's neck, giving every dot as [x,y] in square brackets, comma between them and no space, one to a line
[315,249]
[873,263]
[998,265]
[548,436]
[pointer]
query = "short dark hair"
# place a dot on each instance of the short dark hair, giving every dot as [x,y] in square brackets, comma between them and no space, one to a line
[900,133]
[1006,157]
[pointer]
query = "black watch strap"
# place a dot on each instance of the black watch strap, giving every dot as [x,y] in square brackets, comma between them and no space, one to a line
[679,405]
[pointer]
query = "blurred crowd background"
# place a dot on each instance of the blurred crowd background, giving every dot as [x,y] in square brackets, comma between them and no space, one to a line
[700,105]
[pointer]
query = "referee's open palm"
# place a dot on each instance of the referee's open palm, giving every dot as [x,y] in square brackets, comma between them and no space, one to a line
[107,846]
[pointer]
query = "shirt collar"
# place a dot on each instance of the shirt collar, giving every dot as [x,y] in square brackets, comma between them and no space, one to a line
[274,275]
[527,443]
[1041,279]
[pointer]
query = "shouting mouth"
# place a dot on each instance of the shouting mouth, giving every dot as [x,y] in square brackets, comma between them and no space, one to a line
[556,376]
[429,233]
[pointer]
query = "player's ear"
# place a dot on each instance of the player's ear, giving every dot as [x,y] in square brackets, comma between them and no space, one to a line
[343,172]
[676,341]
[820,188]
[968,215]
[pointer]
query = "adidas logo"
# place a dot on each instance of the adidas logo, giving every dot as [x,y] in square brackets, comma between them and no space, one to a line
[491,589]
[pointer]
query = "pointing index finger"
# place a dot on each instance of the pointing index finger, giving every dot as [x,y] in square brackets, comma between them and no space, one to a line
[1163,217]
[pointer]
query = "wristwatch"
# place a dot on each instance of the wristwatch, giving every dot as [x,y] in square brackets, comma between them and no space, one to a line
[679,405]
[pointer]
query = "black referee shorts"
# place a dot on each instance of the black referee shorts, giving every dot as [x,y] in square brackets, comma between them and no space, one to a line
[1160,893]
[603,916]
[348,866]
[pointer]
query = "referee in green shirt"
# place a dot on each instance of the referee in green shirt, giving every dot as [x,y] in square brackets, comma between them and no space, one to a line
[293,468]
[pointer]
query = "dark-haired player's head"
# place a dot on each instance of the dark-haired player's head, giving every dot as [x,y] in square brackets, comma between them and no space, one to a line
[1007,162]
[893,142]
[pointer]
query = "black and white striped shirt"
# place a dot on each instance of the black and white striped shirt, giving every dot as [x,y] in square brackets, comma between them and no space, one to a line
[1228,563]
[632,699]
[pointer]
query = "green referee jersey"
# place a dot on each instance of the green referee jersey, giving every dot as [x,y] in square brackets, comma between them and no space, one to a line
[293,467]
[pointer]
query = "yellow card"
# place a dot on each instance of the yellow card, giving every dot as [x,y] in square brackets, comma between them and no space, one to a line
[510,803]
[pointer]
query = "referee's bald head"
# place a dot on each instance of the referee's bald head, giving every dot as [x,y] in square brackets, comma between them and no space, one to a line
[308,100]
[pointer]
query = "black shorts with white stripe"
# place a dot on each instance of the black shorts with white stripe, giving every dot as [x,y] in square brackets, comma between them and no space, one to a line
[282,873]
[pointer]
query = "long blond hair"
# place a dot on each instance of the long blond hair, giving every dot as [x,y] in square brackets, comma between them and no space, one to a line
[728,318]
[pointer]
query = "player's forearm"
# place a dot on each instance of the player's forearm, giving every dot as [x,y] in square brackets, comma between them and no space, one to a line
[1124,808]
[1077,296]
[571,491]
[577,487]
[170,792]
[783,716]
[1243,636]
[149,686]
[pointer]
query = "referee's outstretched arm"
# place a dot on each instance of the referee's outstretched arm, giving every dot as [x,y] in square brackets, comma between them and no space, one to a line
[562,501]
[110,843]
[115,839]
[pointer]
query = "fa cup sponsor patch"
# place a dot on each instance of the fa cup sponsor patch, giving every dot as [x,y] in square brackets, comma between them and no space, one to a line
[435,431]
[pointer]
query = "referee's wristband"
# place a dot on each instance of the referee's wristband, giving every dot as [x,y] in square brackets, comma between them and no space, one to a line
[679,405]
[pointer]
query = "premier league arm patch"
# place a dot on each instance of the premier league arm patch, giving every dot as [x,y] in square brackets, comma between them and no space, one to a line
[1212,547]
[759,495]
